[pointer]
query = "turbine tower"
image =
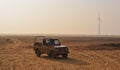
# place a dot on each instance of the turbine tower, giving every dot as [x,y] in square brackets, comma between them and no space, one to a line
[99,25]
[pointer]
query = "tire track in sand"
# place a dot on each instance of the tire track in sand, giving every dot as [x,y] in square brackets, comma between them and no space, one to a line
[13,47]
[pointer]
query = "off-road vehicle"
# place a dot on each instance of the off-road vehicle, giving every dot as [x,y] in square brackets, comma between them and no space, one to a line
[52,47]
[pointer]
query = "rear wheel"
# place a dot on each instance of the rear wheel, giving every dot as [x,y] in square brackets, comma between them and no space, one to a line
[52,54]
[38,53]
[64,55]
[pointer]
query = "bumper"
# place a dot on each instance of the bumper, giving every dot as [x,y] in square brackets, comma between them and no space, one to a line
[59,53]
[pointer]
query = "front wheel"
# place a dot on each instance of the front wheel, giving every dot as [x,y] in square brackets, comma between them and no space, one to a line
[64,55]
[52,54]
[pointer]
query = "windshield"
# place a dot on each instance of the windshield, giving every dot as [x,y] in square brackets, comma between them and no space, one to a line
[56,42]
[53,42]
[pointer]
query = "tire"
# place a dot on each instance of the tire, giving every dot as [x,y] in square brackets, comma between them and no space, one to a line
[52,54]
[38,53]
[64,55]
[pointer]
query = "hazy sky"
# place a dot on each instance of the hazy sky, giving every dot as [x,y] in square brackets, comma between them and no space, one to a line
[59,16]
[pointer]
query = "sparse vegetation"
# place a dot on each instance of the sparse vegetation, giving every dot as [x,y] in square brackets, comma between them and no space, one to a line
[84,54]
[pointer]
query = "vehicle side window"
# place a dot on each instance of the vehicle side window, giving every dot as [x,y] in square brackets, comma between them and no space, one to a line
[45,42]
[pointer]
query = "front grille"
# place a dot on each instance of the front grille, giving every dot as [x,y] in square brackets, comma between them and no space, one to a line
[63,49]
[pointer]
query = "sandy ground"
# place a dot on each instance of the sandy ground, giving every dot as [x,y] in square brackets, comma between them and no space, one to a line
[86,53]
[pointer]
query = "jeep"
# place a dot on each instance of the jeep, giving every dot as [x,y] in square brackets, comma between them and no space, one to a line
[49,46]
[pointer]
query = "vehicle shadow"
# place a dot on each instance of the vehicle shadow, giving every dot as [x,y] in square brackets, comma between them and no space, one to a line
[67,60]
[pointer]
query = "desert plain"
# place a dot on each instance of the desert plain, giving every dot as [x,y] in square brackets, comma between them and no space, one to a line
[86,53]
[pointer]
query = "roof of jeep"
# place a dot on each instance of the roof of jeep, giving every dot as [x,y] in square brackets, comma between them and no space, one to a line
[50,39]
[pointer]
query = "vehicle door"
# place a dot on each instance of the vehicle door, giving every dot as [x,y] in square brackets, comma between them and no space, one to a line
[47,46]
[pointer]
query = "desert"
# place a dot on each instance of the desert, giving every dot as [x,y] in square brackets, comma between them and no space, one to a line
[86,53]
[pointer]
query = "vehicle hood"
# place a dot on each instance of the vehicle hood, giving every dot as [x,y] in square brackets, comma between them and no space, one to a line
[59,46]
